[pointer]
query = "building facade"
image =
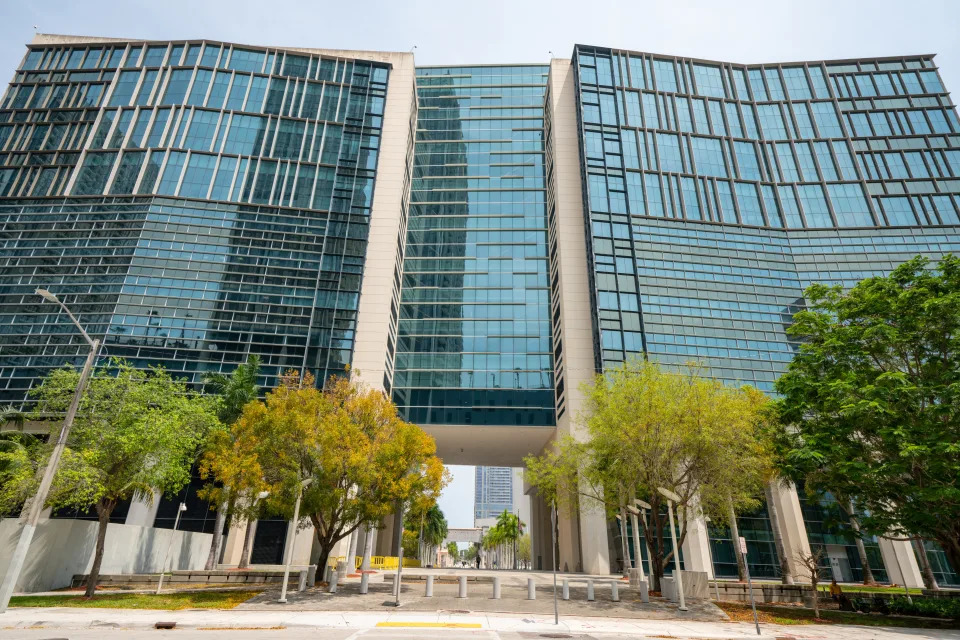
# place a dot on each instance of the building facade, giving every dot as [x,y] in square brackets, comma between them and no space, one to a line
[476,241]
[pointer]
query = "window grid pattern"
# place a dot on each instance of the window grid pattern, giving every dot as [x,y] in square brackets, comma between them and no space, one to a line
[493,492]
[473,344]
[198,280]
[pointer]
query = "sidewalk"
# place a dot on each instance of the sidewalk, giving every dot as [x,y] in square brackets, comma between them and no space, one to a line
[116,620]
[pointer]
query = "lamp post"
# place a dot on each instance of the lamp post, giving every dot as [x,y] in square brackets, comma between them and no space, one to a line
[288,544]
[634,512]
[671,498]
[163,565]
[556,560]
[644,507]
[40,498]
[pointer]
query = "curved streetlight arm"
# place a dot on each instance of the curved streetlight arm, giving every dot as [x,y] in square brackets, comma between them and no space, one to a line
[46,295]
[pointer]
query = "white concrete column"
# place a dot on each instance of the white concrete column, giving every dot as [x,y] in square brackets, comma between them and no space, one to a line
[142,512]
[585,540]
[233,545]
[792,528]
[696,554]
[894,551]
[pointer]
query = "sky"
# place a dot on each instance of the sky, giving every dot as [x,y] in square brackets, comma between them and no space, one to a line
[509,31]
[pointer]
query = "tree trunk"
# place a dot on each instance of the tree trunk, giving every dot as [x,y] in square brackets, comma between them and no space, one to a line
[217,537]
[104,509]
[868,579]
[247,540]
[352,551]
[785,574]
[816,599]
[735,540]
[929,580]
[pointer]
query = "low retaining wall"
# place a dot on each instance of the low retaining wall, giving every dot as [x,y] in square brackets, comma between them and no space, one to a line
[233,577]
[765,593]
[63,548]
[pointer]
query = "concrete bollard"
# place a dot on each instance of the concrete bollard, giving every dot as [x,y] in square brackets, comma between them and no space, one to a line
[333,582]
[428,593]
[462,592]
[364,582]
[590,597]
[496,587]
[615,591]
[531,589]
[566,589]
[302,584]
[644,591]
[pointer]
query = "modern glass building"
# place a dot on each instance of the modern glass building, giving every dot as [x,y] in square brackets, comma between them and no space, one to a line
[493,492]
[476,241]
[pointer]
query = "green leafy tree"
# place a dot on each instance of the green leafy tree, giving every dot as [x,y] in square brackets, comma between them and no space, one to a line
[524,550]
[20,455]
[871,401]
[454,551]
[362,459]
[648,427]
[136,433]
[227,450]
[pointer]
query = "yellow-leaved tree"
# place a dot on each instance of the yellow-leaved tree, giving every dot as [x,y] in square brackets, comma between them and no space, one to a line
[361,458]
[647,427]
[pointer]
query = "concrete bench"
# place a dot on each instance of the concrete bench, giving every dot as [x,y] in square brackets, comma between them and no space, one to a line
[590,582]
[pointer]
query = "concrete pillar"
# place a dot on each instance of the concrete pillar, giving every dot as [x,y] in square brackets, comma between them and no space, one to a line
[233,545]
[594,542]
[893,551]
[696,554]
[385,535]
[142,513]
[792,528]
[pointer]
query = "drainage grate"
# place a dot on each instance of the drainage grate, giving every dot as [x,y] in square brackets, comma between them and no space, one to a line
[555,635]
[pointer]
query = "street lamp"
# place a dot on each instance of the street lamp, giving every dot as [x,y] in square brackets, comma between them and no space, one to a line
[634,512]
[644,508]
[288,544]
[40,498]
[163,565]
[671,498]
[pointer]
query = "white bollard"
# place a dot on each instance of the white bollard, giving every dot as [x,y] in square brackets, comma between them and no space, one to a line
[615,591]
[333,582]
[531,589]
[462,593]
[302,584]
[429,589]
[566,589]
[496,587]
[364,582]
[590,597]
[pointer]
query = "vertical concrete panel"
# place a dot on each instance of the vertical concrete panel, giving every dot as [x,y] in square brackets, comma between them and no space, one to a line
[583,544]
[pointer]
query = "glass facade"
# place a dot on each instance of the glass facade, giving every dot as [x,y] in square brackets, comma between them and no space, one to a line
[715,193]
[191,202]
[473,343]
[493,492]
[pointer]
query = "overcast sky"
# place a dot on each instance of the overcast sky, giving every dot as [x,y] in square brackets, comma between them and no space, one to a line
[505,31]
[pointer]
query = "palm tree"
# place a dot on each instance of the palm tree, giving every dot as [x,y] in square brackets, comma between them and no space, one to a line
[235,391]
[435,528]
[511,529]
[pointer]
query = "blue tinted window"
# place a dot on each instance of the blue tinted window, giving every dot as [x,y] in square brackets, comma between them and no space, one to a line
[796,80]
[898,211]
[668,148]
[171,173]
[750,210]
[196,178]
[246,60]
[850,205]
[664,71]
[814,205]
[708,79]
[708,155]
[826,118]
[747,160]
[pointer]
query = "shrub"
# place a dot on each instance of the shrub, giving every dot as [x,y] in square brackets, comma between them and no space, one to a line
[929,607]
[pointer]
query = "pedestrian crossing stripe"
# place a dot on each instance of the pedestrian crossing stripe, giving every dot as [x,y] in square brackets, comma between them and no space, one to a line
[440,625]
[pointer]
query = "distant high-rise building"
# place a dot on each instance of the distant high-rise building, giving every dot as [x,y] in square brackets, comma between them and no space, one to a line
[477,241]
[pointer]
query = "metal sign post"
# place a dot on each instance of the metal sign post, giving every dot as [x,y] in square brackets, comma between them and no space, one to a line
[746,567]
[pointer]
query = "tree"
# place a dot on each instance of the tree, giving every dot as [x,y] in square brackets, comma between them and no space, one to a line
[810,565]
[363,460]
[227,452]
[20,457]
[454,551]
[871,401]
[524,550]
[136,433]
[648,427]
